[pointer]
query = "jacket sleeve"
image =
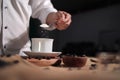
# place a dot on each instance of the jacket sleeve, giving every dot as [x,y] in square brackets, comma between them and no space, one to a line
[41,9]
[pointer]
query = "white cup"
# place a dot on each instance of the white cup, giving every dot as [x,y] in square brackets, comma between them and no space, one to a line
[42,44]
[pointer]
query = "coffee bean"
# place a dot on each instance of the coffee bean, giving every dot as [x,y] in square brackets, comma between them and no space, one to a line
[15,61]
[3,64]
[93,66]
[8,55]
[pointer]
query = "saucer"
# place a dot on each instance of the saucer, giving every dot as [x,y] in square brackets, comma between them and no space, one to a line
[42,54]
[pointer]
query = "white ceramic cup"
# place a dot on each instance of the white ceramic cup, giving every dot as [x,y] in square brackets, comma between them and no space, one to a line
[42,44]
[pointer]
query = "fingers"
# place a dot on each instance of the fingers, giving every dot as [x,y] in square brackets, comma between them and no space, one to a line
[64,20]
[63,16]
[63,26]
[67,16]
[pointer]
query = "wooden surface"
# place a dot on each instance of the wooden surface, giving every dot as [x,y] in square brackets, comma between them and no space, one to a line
[34,69]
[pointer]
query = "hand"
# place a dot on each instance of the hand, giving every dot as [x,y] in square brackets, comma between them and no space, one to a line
[60,19]
[63,21]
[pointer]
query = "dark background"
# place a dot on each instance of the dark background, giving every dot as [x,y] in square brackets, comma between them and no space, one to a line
[75,6]
[93,21]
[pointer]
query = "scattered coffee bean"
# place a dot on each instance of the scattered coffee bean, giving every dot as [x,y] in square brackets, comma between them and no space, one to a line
[3,64]
[93,66]
[8,55]
[2,55]
[15,61]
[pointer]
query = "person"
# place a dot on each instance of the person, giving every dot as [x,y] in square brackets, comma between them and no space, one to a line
[14,22]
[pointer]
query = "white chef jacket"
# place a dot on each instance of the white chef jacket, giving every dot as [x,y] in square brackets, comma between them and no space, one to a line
[14,23]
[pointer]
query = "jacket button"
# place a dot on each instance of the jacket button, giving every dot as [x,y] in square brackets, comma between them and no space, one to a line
[6,7]
[4,46]
[6,27]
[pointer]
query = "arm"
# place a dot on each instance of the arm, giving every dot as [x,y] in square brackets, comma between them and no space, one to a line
[44,10]
[41,9]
